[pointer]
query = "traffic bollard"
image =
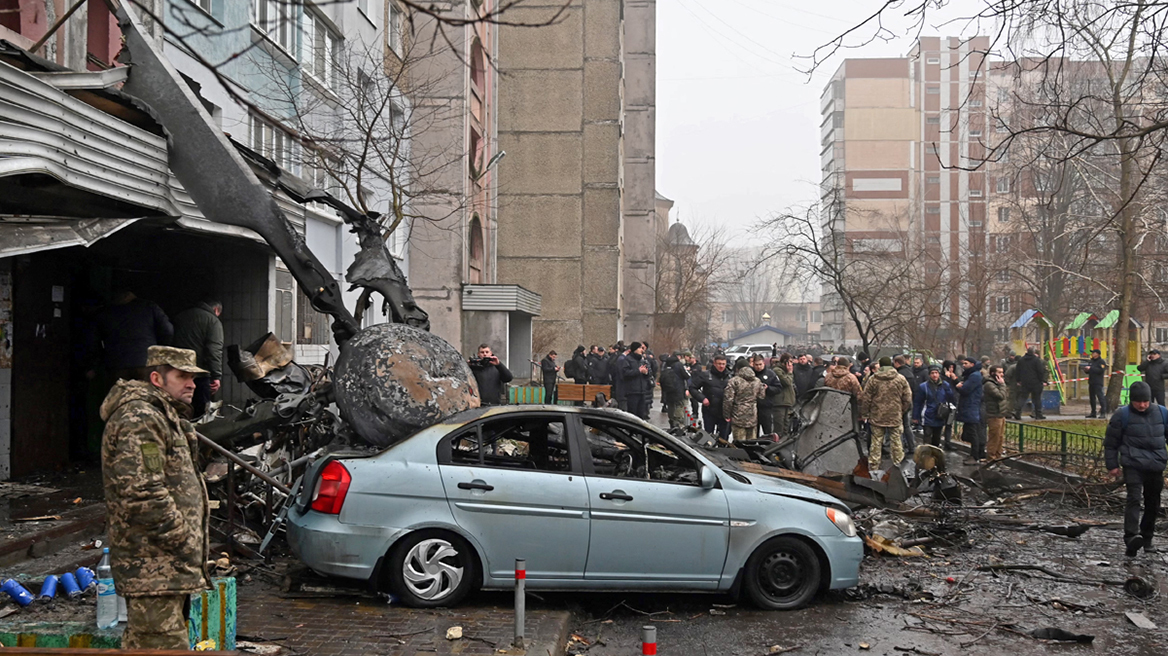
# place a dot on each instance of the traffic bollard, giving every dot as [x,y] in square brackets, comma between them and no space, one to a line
[648,640]
[520,610]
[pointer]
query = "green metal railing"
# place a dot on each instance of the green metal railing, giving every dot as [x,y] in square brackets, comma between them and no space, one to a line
[1069,447]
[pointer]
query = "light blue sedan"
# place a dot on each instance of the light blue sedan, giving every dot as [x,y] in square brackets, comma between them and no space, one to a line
[593,499]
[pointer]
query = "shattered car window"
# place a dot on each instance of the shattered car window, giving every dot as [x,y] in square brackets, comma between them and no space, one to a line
[536,443]
[626,452]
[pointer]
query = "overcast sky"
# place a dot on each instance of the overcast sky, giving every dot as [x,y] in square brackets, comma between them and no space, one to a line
[737,122]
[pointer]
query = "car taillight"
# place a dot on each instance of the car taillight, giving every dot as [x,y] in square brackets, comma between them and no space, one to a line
[331,488]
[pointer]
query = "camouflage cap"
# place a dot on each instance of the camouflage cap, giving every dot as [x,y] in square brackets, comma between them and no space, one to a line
[179,358]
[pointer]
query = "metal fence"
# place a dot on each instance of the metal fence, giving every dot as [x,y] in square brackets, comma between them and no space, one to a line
[1068,449]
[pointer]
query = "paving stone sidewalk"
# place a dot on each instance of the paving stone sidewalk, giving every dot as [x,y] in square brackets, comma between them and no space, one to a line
[324,626]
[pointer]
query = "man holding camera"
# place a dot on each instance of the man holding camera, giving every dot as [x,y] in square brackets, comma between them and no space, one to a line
[490,374]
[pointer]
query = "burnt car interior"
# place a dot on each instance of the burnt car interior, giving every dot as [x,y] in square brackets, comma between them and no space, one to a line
[536,443]
[626,452]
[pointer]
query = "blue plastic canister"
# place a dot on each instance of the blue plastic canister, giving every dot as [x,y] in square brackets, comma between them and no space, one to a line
[85,578]
[69,582]
[48,588]
[17,591]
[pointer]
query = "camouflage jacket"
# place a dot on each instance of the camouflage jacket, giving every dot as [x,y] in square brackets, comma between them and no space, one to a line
[156,498]
[887,398]
[740,404]
[842,379]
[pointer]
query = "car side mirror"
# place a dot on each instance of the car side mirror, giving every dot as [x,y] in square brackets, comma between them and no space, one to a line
[707,478]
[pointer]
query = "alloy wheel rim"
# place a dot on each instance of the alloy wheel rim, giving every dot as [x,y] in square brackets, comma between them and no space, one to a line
[426,573]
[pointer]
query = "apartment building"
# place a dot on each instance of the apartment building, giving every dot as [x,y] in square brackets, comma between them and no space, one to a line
[898,138]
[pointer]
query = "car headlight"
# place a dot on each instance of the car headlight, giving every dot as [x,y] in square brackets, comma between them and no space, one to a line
[843,521]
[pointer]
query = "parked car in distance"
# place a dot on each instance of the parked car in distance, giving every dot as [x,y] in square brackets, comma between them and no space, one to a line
[747,350]
[593,499]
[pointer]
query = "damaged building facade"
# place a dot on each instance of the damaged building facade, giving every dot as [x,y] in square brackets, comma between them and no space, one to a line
[88,207]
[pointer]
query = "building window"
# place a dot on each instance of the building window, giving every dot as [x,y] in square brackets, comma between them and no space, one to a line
[1003,95]
[932,209]
[275,144]
[275,19]
[727,316]
[369,9]
[974,223]
[933,60]
[1003,185]
[933,179]
[975,103]
[1002,304]
[395,28]
[975,193]
[1001,243]
[1003,275]
[205,5]
[476,251]
[932,148]
[932,90]
[975,133]
[320,50]
[1161,335]
[933,120]
[1003,215]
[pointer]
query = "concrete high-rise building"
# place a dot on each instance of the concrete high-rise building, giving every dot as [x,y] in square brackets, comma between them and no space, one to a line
[898,136]
[576,199]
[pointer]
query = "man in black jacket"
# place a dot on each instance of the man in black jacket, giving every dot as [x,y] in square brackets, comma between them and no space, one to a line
[598,367]
[674,380]
[1096,370]
[1135,441]
[906,371]
[615,358]
[579,372]
[804,375]
[709,388]
[766,405]
[638,381]
[1155,369]
[1030,374]
[550,369]
[491,375]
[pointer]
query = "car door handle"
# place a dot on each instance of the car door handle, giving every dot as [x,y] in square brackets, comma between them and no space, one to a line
[615,496]
[475,486]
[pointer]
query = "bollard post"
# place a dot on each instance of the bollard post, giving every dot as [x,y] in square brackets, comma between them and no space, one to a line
[520,600]
[648,640]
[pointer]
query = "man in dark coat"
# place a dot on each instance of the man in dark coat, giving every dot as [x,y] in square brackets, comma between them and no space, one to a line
[200,330]
[766,405]
[126,328]
[674,380]
[969,396]
[1096,369]
[1135,441]
[1029,375]
[709,388]
[638,380]
[906,371]
[549,368]
[804,375]
[579,366]
[1155,369]
[490,374]
[598,367]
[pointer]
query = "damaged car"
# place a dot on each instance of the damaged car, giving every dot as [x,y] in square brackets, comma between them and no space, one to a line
[592,499]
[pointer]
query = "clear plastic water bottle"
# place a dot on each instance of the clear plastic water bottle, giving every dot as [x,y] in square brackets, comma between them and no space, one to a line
[107,596]
[121,609]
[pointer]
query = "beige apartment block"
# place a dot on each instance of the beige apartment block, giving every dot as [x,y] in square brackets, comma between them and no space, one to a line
[576,190]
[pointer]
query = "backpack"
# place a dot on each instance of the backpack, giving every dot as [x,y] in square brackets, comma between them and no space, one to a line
[1126,416]
[571,369]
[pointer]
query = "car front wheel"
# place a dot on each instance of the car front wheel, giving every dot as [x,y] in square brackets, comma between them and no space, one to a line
[431,568]
[782,574]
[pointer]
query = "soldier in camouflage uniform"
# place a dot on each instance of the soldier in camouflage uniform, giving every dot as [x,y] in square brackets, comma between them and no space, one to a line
[740,403]
[156,498]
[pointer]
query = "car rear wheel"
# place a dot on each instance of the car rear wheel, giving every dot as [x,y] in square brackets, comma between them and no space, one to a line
[431,568]
[783,574]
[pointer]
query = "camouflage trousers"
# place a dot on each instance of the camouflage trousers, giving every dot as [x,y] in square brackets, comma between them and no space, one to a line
[156,623]
[677,415]
[876,448]
[739,433]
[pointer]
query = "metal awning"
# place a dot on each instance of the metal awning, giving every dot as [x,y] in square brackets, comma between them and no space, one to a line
[501,298]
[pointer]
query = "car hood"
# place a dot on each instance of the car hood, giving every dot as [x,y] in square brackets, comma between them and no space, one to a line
[777,486]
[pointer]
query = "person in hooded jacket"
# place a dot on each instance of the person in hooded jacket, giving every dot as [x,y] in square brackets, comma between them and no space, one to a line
[1135,441]
[709,388]
[886,399]
[997,408]
[1030,374]
[803,374]
[674,379]
[969,396]
[933,393]
[1155,370]
[740,402]
[638,381]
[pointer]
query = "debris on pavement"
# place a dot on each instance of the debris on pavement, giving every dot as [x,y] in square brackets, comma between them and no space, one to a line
[454,633]
[1140,620]
[1060,635]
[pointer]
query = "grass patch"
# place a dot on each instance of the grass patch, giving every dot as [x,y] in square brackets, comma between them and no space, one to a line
[1097,427]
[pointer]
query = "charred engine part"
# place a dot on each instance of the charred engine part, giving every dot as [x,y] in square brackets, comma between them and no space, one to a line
[267,368]
[828,440]
[393,380]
